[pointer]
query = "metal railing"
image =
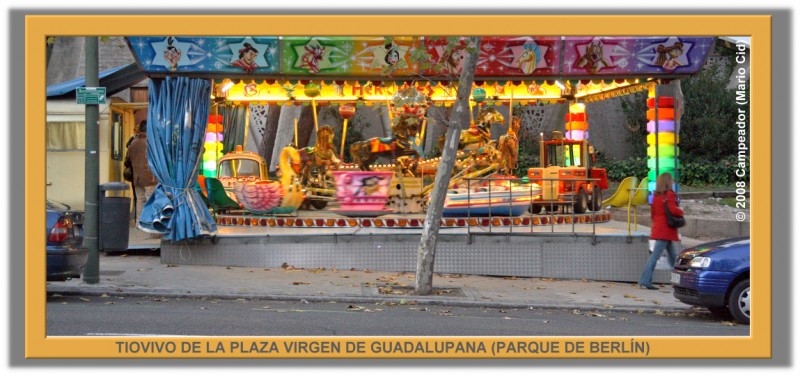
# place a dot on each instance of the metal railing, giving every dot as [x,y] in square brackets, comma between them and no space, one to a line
[503,219]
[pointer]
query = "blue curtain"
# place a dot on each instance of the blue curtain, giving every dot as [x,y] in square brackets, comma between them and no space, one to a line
[177,120]
[233,125]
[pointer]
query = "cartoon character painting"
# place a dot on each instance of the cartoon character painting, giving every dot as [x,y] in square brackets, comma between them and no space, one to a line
[247,58]
[392,54]
[527,60]
[311,58]
[668,56]
[592,59]
[172,55]
[453,59]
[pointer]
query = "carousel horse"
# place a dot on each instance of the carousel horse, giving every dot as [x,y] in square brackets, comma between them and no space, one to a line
[269,196]
[476,139]
[319,160]
[366,152]
[508,147]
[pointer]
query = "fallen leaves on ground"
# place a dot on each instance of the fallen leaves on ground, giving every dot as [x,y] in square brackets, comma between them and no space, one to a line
[300,283]
[355,308]
[388,290]
[288,267]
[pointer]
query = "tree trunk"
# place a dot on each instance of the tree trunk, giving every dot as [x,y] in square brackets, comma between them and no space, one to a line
[270,131]
[459,117]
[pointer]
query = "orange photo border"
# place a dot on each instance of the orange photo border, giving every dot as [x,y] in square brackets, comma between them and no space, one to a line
[758,27]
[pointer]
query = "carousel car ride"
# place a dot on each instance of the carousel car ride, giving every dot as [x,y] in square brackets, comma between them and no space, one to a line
[66,255]
[716,275]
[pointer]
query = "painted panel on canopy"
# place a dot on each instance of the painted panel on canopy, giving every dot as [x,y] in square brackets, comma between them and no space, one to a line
[228,55]
[611,56]
[350,56]
[521,56]
[518,56]
[444,61]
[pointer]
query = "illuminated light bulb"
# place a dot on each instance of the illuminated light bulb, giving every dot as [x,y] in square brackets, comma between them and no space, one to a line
[227,86]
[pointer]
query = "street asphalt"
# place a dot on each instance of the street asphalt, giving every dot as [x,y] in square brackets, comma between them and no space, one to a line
[139,273]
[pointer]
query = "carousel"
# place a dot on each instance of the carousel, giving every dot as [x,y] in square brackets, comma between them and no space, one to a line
[284,193]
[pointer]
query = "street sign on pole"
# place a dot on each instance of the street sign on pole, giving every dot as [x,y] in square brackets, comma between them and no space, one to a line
[91,95]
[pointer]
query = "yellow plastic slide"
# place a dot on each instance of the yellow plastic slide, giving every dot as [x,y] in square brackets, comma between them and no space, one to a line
[640,197]
[622,197]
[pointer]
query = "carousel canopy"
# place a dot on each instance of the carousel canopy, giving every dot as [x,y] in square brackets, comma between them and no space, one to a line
[348,69]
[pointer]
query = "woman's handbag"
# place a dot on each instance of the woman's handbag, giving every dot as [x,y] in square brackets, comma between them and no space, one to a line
[127,173]
[673,221]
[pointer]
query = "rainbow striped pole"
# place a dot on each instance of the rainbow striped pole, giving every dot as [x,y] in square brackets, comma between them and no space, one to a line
[212,145]
[577,127]
[662,139]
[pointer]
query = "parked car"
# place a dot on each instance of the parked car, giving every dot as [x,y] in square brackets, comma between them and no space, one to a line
[716,276]
[66,255]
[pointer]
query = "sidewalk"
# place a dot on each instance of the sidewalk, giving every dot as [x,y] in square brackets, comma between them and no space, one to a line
[142,274]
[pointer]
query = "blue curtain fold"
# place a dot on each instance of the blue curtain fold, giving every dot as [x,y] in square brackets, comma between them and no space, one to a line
[177,120]
[233,125]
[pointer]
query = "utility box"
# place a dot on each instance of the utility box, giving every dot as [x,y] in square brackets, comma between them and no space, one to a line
[114,213]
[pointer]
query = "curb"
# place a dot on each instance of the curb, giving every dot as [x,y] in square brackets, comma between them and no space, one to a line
[405,300]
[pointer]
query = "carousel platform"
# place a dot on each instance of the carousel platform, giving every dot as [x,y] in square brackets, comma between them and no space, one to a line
[589,246]
[330,219]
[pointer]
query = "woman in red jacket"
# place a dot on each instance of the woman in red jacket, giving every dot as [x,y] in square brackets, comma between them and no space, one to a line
[664,235]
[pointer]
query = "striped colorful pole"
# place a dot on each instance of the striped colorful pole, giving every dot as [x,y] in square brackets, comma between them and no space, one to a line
[577,127]
[212,145]
[662,139]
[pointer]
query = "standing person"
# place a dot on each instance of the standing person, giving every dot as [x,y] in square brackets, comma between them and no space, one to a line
[664,236]
[128,171]
[144,182]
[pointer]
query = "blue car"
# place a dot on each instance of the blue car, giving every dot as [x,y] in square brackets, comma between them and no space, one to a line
[716,276]
[66,255]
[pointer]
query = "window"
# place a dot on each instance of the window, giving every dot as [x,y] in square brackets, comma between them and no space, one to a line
[66,136]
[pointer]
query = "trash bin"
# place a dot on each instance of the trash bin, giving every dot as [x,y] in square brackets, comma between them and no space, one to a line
[114,226]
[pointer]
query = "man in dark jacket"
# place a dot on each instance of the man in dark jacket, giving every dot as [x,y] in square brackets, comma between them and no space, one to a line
[144,183]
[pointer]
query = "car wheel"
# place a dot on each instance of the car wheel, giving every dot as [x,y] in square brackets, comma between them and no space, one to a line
[535,208]
[739,302]
[580,203]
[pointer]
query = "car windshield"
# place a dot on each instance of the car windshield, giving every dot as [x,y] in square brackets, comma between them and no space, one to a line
[55,205]
[239,168]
